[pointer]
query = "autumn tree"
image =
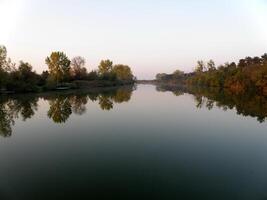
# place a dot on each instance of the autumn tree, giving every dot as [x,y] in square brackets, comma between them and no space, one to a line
[105,66]
[78,71]
[123,72]
[59,66]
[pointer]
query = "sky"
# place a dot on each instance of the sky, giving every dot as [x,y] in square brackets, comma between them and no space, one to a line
[150,36]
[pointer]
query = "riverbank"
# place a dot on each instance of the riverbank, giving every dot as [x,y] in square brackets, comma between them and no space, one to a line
[94,85]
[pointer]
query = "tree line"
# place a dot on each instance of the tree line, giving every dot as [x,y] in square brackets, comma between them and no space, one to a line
[62,72]
[249,73]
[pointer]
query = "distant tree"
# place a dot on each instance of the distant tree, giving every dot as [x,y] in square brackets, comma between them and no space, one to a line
[242,63]
[43,78]
[105,66]
[200,66]
[264,57]
[211,65]
[6,66]
[25,68]
[160,76]
[178,72]
[232,65]
[92,75]
[256,60]
[23,79]
[3,75]
[249,61]
[78,71]
[59,66]
[123,72]
[3,57]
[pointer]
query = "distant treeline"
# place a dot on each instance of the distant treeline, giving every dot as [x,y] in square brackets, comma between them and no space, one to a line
[248,74]
[62,73]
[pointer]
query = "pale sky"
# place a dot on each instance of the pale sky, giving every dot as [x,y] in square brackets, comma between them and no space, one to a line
[150,36]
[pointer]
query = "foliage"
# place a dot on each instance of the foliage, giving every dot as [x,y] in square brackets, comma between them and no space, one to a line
[61,73]
[78,71]
[249,74]
[23,79]
[105,67]
[123,72]
[59,66]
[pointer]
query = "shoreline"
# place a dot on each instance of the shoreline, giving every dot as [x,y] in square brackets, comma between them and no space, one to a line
[89,86]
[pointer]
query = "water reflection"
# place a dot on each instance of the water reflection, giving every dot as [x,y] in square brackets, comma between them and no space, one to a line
[246,104]
[60,109]
[61,105]
[13,108]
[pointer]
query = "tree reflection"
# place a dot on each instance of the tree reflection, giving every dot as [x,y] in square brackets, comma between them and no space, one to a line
[61,105]
[176,90]
[12,108]
[78,104]
[24,106]
[6,120]
[246,104]
[199,101]
[105,102]
[60,109]
[122,95]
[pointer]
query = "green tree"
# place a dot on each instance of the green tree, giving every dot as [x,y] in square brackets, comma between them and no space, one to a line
[59,66]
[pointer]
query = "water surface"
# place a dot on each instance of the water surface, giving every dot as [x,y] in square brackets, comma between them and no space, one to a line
[128,143]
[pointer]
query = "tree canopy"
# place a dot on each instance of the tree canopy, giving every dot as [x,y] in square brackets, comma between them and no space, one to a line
[123,72]
[59,66]
[105,66]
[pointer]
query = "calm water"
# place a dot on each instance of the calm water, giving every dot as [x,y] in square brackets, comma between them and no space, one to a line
[128,143]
